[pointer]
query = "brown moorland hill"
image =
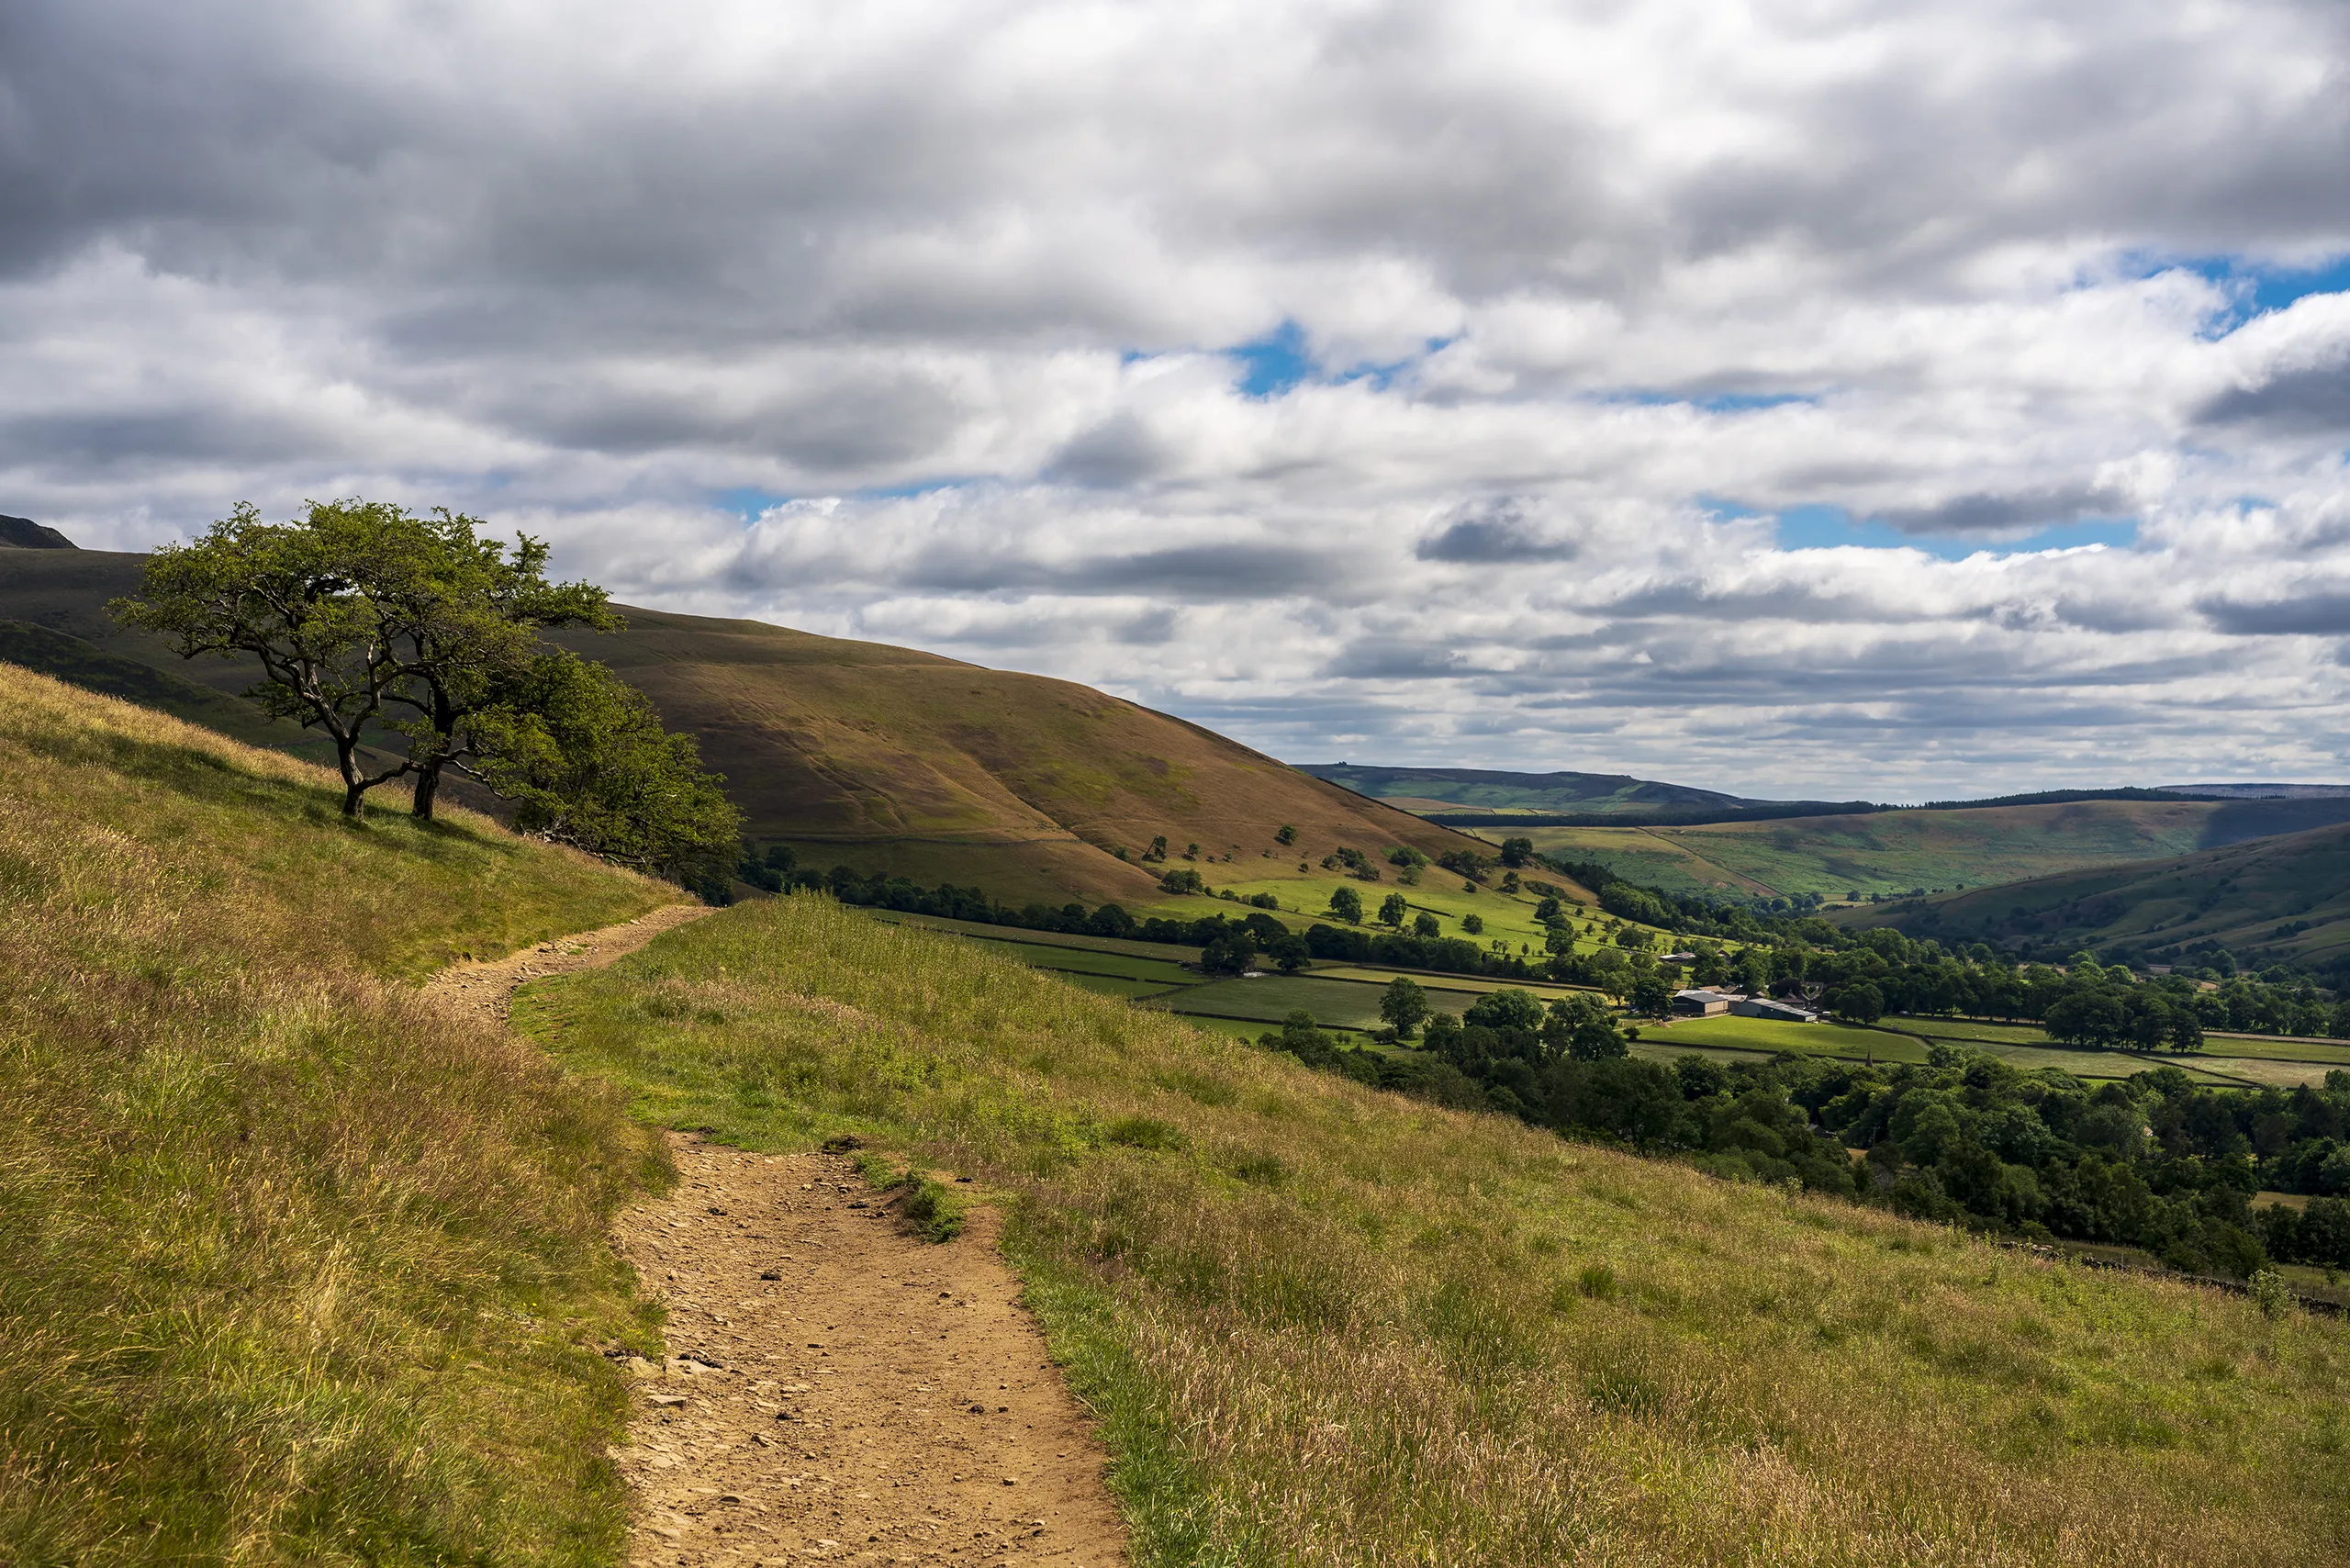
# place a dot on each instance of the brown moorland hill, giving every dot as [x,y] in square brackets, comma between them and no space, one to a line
[885,759]
[892,759]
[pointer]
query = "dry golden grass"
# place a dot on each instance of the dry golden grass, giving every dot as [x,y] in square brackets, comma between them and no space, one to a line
[1328,1326]
[292,1262]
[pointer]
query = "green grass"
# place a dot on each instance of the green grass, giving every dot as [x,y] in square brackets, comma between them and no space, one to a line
[294,1268]
[1337,1326]
[2258,1049]
[1968,1029]
[1114,985]
[1773,1035]
[1272,998]
[1074,942]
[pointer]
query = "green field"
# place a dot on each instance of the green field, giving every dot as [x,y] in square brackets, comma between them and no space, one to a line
[1074,941]
[1895,851]
[1160,972]
[1274,997]
[1773,1035]
[1114,985]
[1968,1029]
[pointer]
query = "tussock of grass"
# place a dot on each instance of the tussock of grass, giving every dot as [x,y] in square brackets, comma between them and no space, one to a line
[1328,1326]
[291,1262]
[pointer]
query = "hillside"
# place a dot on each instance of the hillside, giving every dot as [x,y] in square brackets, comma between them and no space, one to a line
[1889,853]
[2270,900]
[1325,1324]
[296,1266]
[1472,789]
[884,758]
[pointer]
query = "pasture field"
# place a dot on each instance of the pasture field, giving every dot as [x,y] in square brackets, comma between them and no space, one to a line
[1464,989]
[1967,1029]
[1159,972]
[1075,941]
[2324,1053]
[1114,985]
[1773,1035]
[1325,1325]
[1272,998]
[2267,1072]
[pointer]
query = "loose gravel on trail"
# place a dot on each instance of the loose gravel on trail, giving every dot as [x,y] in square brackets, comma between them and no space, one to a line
[838,1390]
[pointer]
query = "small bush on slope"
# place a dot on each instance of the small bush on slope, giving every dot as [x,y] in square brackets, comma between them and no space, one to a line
[290,1262]
[1330,1325]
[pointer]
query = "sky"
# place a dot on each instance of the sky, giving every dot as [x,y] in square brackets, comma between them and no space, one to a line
[1816,397]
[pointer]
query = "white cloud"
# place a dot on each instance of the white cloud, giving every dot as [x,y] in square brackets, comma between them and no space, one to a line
[1586,292]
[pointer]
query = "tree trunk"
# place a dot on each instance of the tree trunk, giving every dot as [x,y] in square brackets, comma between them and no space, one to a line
[427,785]
[353,784]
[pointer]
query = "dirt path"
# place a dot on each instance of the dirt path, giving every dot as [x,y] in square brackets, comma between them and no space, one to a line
[836,1389]
[489,986]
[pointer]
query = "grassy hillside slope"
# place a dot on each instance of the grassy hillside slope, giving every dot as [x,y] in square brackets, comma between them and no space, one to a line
[2283,898]
[1478,789]
[1894,852]
[1328,1325]
[294,1263]
[888,759]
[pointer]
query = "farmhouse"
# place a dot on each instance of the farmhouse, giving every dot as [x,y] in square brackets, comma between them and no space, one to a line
[1700,1003]
[1764,1007]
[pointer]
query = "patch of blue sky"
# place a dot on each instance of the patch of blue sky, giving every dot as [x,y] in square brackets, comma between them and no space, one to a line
[2254,287]
[1282,361]
[750,503]
[1831,527]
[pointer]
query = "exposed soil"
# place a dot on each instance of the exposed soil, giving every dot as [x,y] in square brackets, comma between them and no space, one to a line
[836,1389]
[488,987]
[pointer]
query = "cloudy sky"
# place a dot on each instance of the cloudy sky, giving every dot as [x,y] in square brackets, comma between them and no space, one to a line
[1802,397]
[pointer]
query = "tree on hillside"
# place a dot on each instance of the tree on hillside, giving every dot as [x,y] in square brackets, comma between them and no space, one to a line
[1516,851]
[1861,1004]
[1404,1005]
[1424,924]
[1391,910]
[583,756]
[1347,904]
[366,617]
[1287,835]
[1474,924]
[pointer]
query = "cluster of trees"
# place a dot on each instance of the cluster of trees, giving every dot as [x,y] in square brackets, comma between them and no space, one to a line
[417,646]
[2155,1161]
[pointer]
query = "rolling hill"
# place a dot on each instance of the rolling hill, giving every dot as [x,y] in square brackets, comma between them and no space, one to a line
[884,758]
[1895,851]
[2283,898]
[1481,790]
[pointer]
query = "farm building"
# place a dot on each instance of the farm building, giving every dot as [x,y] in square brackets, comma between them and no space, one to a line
[1764,1007]
[1700,1003]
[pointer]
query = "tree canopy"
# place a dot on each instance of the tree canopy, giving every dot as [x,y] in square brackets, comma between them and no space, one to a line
[377,625]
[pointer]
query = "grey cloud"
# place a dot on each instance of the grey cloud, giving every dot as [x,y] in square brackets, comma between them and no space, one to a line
[1983,515]
[1499,534]
[1117,453]
[2296,402]
[2316,614]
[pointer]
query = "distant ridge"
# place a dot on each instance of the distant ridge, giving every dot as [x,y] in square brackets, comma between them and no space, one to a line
[2257,791]
[24,533]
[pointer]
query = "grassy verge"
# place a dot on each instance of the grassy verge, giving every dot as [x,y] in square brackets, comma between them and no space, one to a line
[1325,1325]
[296,1267]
